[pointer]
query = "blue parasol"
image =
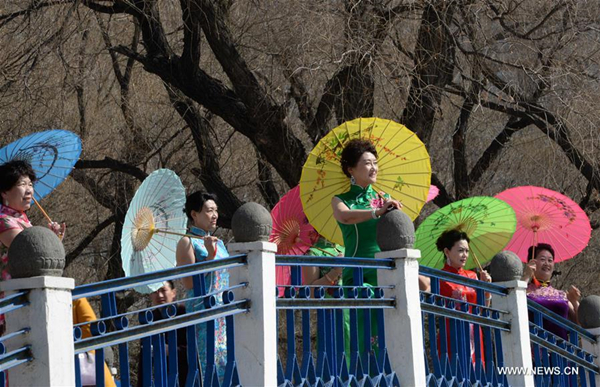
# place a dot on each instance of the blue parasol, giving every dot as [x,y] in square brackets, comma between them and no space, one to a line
[51,153]
[154,223]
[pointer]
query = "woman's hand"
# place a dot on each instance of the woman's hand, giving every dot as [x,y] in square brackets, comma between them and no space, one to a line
[388,205]
[58,229]
[335,273]
[210,242]
[485,276]
[574,295]
[528,271]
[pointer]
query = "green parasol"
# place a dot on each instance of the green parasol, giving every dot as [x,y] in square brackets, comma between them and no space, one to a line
[489,223]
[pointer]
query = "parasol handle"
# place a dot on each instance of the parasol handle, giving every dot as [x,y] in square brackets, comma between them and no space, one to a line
[157,230]
[41,209]
[477,261]
[534,242]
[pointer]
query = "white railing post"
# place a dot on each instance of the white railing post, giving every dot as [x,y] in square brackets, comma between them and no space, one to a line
[516,345]
[49,315]
[403,324]
[36,259]
[255,331]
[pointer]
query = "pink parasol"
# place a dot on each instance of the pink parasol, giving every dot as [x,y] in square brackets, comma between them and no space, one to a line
[546,216]
[292,232]
[433,193]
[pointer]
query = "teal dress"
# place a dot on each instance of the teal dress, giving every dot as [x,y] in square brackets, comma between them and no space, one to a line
[214,282]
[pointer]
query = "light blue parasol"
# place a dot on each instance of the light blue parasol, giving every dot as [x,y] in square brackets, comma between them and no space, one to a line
[51,153]
[154,223]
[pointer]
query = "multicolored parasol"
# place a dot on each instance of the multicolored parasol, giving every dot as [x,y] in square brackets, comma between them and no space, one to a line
[546,216]
[404,170]
[154,223]
[489,223]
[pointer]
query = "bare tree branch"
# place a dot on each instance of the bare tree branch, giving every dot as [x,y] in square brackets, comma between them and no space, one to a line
[85,242]
[115,165]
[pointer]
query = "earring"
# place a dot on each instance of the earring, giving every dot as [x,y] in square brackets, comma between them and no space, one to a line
[352,180]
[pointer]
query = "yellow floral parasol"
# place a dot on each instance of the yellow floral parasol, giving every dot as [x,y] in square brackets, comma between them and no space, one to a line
[404,170]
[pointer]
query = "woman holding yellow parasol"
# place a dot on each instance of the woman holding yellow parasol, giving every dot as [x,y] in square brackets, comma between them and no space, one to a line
[358,209]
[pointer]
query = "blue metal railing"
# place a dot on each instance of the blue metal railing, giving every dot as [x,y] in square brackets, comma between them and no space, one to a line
[158,328]
[557,348]
[463,341]
[350,331]
[12,359]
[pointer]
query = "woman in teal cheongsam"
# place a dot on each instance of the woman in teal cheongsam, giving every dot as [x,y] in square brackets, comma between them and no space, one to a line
[201,209]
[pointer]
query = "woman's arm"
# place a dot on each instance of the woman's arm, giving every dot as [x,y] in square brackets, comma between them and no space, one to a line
[9,235]
[573,295]
[344,215]
[185,256]
[311,276]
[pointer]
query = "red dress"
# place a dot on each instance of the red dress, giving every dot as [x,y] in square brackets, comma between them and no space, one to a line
[463,293]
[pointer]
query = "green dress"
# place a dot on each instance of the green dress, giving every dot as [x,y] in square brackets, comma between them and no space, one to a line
[360,241]
[325,248]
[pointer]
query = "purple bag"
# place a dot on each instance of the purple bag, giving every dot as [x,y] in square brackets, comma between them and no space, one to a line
[87,368]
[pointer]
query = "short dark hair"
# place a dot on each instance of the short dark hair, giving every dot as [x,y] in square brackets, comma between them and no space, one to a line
[171,284]
[537,249]
[352,152]
[195,202]
[12,171]
[449,238]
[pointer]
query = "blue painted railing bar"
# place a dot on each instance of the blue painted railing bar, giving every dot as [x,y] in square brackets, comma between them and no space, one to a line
[322,303]
[455,278]
[153,328]
[158,368]
[571,364]
[565,349]
[559,320]
[125,283]
[337,361]
[162,306]
[14,358]
[14,302]
[431,304]
[364,263]
[464,338]
[12,335]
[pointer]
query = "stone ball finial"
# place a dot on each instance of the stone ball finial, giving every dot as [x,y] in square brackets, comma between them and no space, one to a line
[506,266]
[589,312]
[251,222]
[395,231]
[36,251]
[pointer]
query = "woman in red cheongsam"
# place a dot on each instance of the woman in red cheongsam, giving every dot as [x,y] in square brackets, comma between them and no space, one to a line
[455,246]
